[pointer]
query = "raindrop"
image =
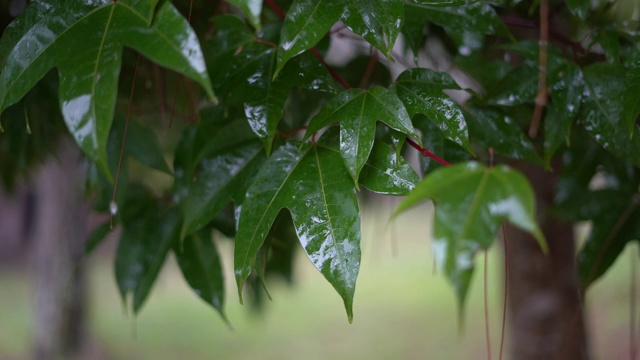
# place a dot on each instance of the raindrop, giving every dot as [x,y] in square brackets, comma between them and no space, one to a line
[464,50]
[113,208]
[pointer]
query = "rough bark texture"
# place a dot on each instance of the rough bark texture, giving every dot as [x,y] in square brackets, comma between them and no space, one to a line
[60,232]
[546,313]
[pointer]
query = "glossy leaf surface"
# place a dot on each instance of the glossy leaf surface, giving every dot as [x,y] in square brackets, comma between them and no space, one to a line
[252,9]
[41,38]
[433,139]
[477,18]
[307,21]
[202,268]
[378,21]
[631,94]
[604,114]
[387,173]
[316,188]
[471,201]
[358,111]
[421,92]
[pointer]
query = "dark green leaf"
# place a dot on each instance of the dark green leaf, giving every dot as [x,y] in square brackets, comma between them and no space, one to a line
[48,36]
[579,8]
[201,266]
[307,21]
[471,202]
[377,21]
[604,114]
[421,92]
[617,223]
[387,173]
[358,110]
[631,94]
[474,18]
[96,237]
[315,186]
[433,140]
[251,8]
[143,146]
[220,179]
[518,86]
[142,251]
[495,130]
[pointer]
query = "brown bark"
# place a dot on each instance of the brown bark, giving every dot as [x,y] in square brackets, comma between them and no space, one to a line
[546,314]
[60,232]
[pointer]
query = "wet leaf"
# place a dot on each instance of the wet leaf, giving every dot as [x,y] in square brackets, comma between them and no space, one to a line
[421,92]
[631,94]
[202,268]
[579,8]
[142,251]
[603,111]
[47,36]
[252,9]
[358,110]
[432,139]
[476,18]
[142,144]
[498,131]
[306,22]
[316,188]
[471,202]
[219,179]
[387,173]
[377,21]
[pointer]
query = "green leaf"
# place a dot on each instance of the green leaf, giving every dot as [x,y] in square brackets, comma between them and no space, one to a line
[358,110]
[471,202]
[631,94]
[202,268]
[142,144]
[377,21]
[96,237]
[474,18]
[421,92]
[446,2]
[220,179]
[603,111]
[142,251]
[47,36]
[314,185]
[252,9]
[307,22]
[579,8]
[617,223]
[518,86]
[387,173]
[495,130]
[433,140]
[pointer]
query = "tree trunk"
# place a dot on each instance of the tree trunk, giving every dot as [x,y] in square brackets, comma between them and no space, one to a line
[60,233]
[546,313]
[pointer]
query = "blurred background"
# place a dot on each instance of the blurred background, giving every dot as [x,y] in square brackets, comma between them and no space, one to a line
[402,310]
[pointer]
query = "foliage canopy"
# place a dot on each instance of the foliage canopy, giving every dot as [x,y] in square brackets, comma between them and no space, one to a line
[253,78]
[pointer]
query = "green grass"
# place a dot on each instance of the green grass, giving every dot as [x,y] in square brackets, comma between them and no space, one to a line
[402,310]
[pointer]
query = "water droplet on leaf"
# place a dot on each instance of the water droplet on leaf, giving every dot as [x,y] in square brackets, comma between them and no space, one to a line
[113,208]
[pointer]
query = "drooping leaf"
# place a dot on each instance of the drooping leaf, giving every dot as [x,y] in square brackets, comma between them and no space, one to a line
[377,21]
[358,110]
[252,9]
[306,22]
[142,144]
[142,251]
[498,131]
[471,201]
[221,178]
[604,111]
[47,36]
[316,188]
[421,92]
[202,268]
[617,223]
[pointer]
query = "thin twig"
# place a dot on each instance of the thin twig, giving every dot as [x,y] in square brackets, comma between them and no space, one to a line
[427,153]
[543,58]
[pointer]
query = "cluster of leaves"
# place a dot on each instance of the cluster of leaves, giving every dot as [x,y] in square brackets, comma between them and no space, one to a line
[238,166]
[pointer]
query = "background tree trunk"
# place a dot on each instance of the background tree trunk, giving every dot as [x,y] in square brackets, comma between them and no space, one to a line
[546,314]
[61,219]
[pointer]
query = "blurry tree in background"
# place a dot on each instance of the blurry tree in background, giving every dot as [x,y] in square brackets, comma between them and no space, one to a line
[543,134]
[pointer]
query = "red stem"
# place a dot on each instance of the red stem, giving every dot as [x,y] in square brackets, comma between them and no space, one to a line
[427,153]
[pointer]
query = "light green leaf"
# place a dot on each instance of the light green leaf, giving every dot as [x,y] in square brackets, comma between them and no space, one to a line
[471,202]
[314,185]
